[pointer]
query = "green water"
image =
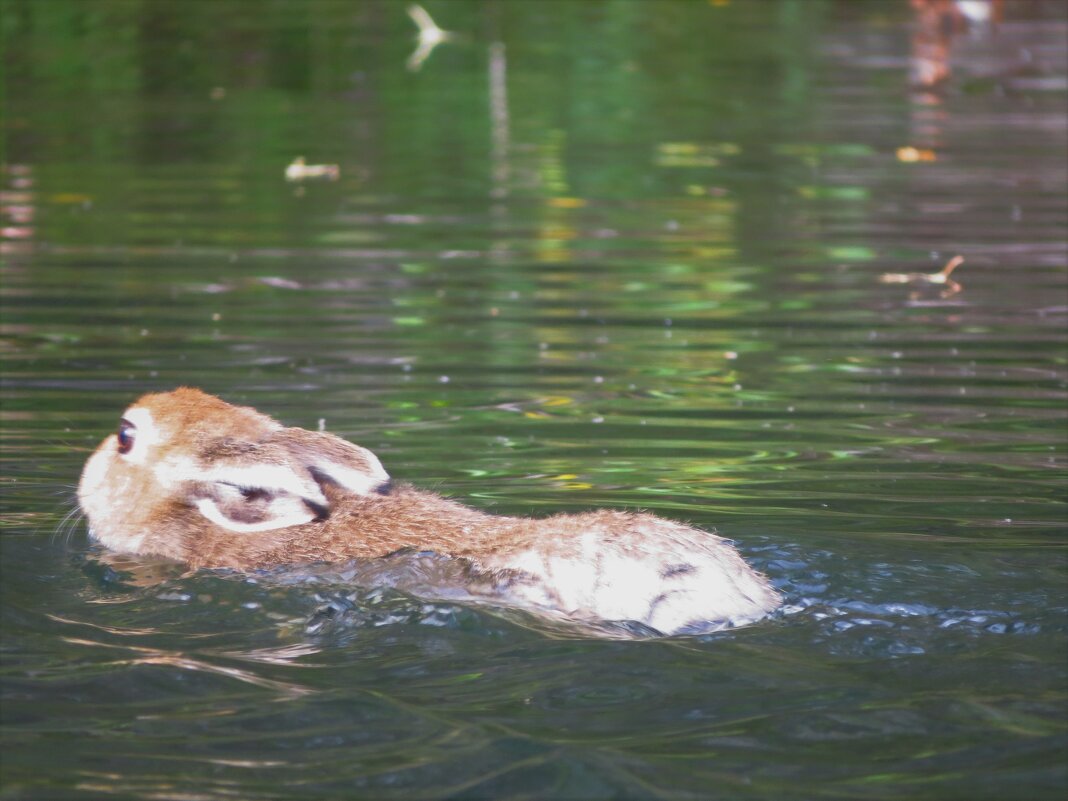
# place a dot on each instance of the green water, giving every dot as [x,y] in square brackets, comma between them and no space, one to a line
[588,254]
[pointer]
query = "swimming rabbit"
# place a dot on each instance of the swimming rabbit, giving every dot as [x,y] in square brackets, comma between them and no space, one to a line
[190,477]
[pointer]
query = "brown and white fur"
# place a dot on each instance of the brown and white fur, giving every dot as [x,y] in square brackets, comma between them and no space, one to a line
[193,478]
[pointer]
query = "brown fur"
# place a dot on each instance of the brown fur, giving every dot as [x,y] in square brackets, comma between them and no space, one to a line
[196,456]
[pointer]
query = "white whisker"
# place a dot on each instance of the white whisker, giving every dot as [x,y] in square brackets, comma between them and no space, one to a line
[68,525]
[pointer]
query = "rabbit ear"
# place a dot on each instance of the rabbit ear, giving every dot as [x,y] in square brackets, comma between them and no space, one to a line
[260,492]
[248,510]
[332,460]
[279,481]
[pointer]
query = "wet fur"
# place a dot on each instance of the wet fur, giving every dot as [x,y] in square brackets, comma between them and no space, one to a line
[205,454]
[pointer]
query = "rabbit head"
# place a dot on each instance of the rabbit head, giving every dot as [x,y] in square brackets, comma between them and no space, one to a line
[185,466]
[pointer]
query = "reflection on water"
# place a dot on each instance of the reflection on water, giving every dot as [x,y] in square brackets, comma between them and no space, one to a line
[622,254]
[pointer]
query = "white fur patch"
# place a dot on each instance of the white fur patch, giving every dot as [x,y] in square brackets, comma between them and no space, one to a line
[146,434]
[295,514]
[357,481]
[271,477]
[95,471]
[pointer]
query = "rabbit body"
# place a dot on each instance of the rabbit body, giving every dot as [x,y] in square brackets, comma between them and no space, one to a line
[195,479]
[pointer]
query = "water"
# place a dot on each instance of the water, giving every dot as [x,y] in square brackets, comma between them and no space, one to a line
[620,254]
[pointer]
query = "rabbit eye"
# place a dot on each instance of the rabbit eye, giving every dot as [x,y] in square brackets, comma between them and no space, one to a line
[127,433]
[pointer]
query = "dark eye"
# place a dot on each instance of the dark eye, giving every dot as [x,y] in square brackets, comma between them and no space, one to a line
[127,434]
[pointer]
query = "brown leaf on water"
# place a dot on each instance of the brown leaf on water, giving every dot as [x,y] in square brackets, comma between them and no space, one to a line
[928,280]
